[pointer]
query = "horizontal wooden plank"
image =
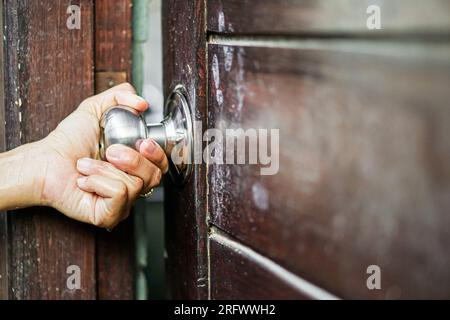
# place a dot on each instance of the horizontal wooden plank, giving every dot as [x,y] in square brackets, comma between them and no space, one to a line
[363,162]
[238,272]
[323,16]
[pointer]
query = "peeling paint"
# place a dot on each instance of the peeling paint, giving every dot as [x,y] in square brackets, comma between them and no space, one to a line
[221,22]
[220,179]
[260,196]
[240,86]
[216,77]
[228,53]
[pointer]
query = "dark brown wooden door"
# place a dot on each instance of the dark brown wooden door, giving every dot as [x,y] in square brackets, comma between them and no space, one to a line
[364,175]
[48,70]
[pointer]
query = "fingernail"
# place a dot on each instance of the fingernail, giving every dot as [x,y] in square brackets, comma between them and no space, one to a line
[115,152]
[81,181]
[138,144]
[140,98]
[149,145]
[83,164]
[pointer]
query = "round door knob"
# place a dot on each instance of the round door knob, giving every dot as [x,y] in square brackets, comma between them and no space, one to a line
[123,125]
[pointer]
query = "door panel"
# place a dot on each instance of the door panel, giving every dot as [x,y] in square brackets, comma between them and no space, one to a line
[238,272]
[330,17]
[49,70]
[363,176]
[47,74]
[185,206]
[363,156]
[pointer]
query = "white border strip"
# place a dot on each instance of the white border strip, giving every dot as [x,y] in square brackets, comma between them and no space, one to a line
[304,286]
[439,51]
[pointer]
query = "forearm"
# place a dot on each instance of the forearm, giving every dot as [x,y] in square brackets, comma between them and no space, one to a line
[20,185]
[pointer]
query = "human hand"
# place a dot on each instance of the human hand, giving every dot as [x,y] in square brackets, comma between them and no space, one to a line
[74,181]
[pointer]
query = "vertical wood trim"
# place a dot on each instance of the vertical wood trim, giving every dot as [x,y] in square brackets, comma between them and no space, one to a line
[113,35]
[115,250]
[3,215]
[48,72]
[184,53]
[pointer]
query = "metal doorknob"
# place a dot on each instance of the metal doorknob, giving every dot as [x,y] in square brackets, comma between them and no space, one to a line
[123,125]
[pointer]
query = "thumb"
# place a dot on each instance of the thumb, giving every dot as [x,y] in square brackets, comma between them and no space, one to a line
[123,94]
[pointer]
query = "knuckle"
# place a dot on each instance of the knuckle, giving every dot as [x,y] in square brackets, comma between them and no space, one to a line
[127,86]
[99,221]
[122,191]
[137,184]
[110,223]
[104,166]
[135,162]
[156,179]
[110,219]
[87,180]
[86,101]
[86,104]
[91,101]
[160,156]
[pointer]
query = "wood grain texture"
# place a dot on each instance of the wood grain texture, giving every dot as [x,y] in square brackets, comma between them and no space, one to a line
[364,151]
[105,80]
[113,35]
[186,229]
[330,17]
[238,272]
[48,73]
[115,250]
[4,260]
[115,253]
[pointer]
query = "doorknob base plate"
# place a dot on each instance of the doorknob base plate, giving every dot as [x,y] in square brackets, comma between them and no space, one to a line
[180,135]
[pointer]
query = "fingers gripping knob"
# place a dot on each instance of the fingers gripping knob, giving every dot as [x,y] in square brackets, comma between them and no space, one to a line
[123,125]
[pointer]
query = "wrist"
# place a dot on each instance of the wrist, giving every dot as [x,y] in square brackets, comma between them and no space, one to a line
[22,177]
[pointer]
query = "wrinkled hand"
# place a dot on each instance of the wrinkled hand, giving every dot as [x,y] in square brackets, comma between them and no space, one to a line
[84,188]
